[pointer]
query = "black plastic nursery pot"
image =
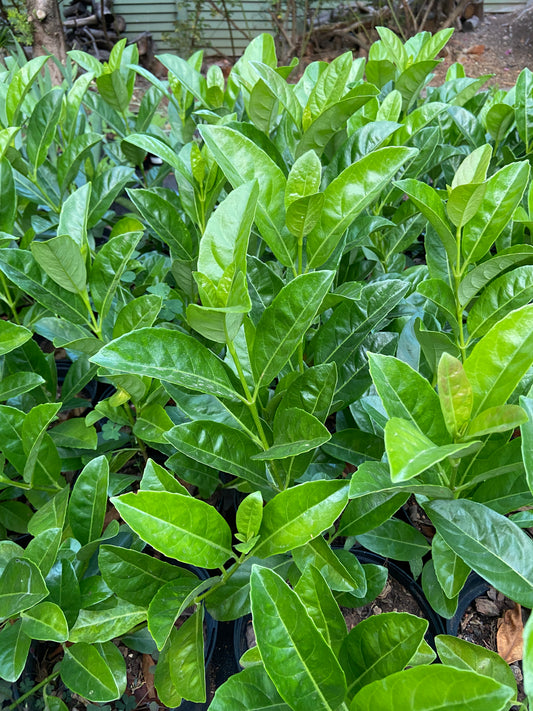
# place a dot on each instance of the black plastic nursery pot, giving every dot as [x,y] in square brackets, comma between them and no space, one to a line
[473,588]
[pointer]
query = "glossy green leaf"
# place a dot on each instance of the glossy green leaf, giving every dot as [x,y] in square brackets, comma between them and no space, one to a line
[222,447]
[295,432]
[319,554]
[455,394]
[51,515]
[374,477]
[136,314]
[42,126]
[314,592]
[243,161]
[523,107]
[20,266]
[410,453]
[19,383]
[442,604]
[62,260]
[94,671]
[439,291]
[296,656]
[285,322]
[45,621]
[42,550]
[464,202]
[527,663]
[496,419]
[185,650]
[169,603]
[14,648]
[347,196]
[163,217]
[108,267]
[500,359]
[8,206]
[178,526]
[20,85]
[473,168]
[21,587]
[461,654]
[395,539]
[297,515]
[503,193]
[136,576]
[370,510]
[313,390]
[65,589]
[12,336]
[103,625]
[405,393]
[157,478]
[304,178]
[69,161]
[451,570]
[526,431]
[88,501]
[506,293]
[168,355]
[380,646]
[250,690]
[249,515]
[428,688]
[505,560]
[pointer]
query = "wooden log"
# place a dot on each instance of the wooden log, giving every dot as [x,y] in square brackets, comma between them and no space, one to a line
[91,21]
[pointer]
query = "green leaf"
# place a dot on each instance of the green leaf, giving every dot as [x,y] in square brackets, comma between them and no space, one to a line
[526,432]
[19,86]
[14,648]
[455,394]
[109,265]
[297,515]
[20,266]
[243,161]
[103,625]
[51,515]
[506,293]
[498,120]
[168,355]
[45,621]
[137,314]
[503,193]
[524,106]
[348,195]
[87,506]
[113,90]
[461,654]
[405,393]
[473,168]
[169,603]
[500,359]
[185,653]
[42,550]
[73,216]
[442,604]
[8,207]
[163,217]
[250,690]
[464,202]
[304,178]
[178,526]
[295,432]
[428,688]
[395,539]
[156,478]
[380,646]
[303,214]
[42,126]
[318,554]
[321,607]
[505,560]
[94,671]
[222,447]
[69,161]
[410,453]
[451,570]
[313,390]
[249,515]
[12,336]
[21,587]
[296,656]
[136,576]
[284,323]
[496,419]
[19,383]
[527,663]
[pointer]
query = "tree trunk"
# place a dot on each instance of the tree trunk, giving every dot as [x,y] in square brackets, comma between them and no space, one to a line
[48,37]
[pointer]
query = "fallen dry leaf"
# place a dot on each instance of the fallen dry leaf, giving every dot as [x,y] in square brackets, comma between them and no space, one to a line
[476,49]
[148,663]
[510,635]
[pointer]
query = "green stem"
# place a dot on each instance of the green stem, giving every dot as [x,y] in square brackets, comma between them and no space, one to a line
[226,575]
[457,274]
[131,420]
[9,300]
[29,693]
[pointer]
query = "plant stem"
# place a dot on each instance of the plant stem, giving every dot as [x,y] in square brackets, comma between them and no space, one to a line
[457,273]
[29,693]
[8,299]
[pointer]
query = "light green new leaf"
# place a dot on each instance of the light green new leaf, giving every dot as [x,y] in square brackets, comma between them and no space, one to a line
[295,432]
[94,671]
[320,555]
[304,178]
[74,215]
[249,515]
[297,515]
[104,625]
[504,559]
[496,419]
[20,85]
[410,453]
[455,394]
[168,355]
[178,526]
[473,168]
[296,656]
[463,202]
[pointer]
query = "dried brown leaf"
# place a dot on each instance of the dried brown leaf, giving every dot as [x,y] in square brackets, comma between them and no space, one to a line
[149,663]
[510,635]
